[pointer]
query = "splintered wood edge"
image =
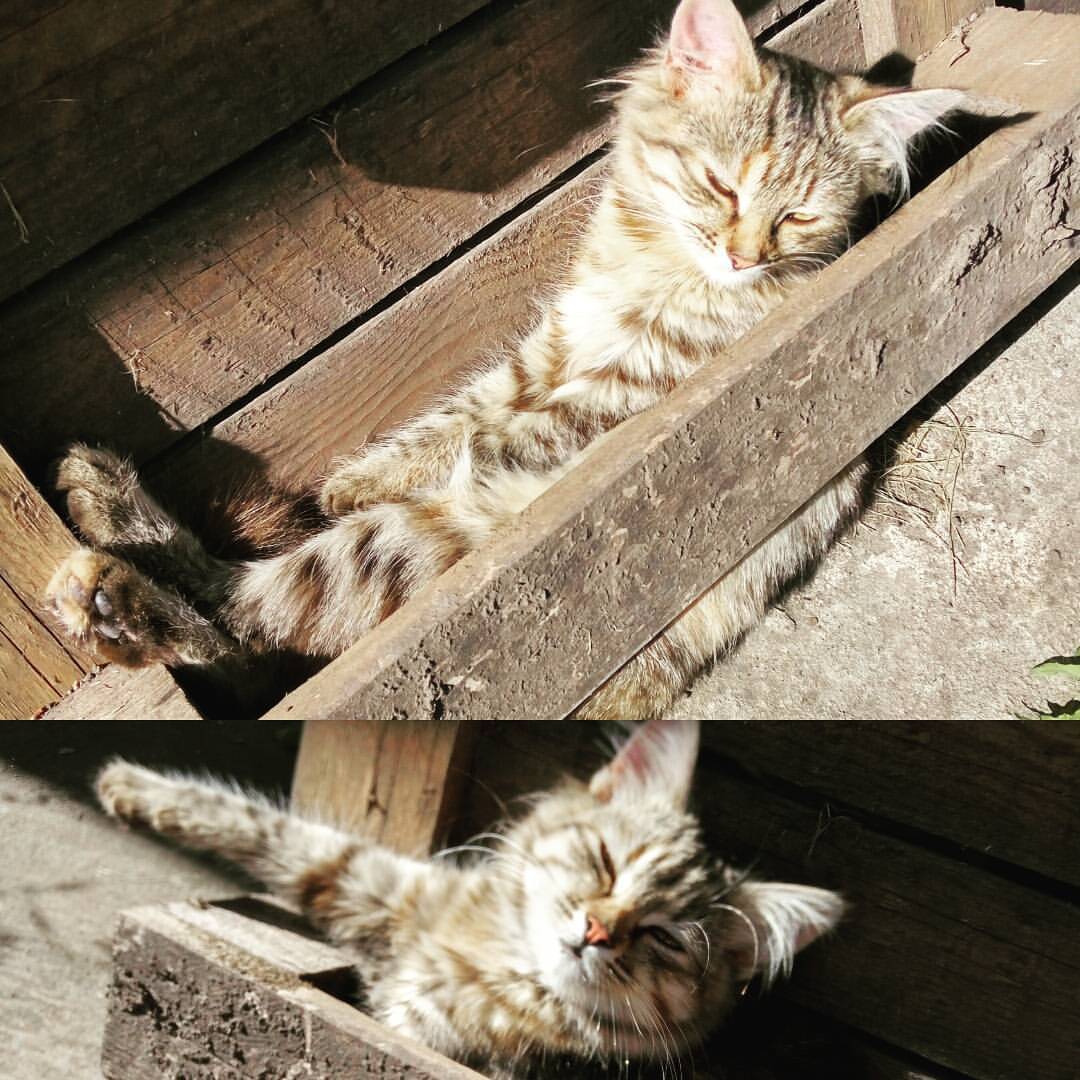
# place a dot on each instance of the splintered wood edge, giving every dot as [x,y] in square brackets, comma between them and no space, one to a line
[707,473]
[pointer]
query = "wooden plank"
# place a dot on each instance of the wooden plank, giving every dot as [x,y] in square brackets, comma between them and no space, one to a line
[936,956]
[116,693]
[182,974]
[911,27]
[36,666]
[162,328]
[980,789]
[395,780]
[411,351]
[106,118]
[711,470]
[924,933]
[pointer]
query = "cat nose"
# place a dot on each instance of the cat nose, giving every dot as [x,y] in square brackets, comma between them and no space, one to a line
[742,262]
[596,933]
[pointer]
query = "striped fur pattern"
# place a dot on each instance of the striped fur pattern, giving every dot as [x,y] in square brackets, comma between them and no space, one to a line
[735,174]
[597,926]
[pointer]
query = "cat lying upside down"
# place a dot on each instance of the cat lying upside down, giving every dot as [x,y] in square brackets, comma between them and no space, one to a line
[598,926]
[734,174]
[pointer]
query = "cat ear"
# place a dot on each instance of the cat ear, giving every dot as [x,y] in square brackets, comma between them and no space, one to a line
[657,761]
[709,36]
[776,922]
[885,119]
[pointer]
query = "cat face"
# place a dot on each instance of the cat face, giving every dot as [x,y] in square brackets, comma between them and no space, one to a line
[629,921]
[756,164]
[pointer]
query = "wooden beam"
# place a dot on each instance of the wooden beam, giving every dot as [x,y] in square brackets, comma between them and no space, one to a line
[712,470]
[106,118]
[161,329]
[980,790]
[394,779]
[911,27]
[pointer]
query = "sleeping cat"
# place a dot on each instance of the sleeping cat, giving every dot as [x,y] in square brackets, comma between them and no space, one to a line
[734,174]
[597,926]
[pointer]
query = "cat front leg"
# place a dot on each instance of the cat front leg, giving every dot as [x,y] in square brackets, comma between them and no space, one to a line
[423,455]
[106,605]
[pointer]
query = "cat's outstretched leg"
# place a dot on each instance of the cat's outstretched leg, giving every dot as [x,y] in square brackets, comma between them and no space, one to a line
[105,604]
[344,883]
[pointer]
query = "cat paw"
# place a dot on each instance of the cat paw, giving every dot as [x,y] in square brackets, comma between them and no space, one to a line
[119,788]
[104,603]
[99,488]
[347,490]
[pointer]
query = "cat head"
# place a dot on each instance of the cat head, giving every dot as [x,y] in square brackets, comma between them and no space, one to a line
[756,162]
[626,916]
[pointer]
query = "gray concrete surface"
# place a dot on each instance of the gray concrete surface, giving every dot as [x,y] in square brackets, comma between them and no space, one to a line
[878,631]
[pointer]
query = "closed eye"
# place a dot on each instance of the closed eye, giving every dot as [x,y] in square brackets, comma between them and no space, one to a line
[609,865]
[663,937]
[799,217]
[720,188]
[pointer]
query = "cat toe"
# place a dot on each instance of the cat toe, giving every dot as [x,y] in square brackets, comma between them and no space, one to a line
[340,495]
[117,788]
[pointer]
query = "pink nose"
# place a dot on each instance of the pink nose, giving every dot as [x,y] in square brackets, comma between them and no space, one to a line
[596,933]
[741,262]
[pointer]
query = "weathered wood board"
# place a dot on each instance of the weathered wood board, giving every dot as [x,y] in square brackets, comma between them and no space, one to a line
[36,665]
[204,992]
[981,789]
[395,780]
[709,472]
[910,27]
[106,117]
[164,327]
[117,693]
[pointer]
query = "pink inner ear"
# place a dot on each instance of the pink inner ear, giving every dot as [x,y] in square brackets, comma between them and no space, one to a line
[709,35]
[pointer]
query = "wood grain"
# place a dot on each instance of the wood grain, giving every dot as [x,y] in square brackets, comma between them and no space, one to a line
[910,27]
[710,471]
[107,117]
[184,973]
[394,780]
[164,327]
[36,665]
[980,789]
[402,359]
[116,693]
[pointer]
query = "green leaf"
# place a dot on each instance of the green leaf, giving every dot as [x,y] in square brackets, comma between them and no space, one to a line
[1059,665]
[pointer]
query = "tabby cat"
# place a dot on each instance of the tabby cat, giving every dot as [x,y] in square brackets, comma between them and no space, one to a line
[598,926]
[734,174]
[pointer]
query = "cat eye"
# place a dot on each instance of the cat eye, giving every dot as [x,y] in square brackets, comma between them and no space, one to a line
[798,218]
[664,937]
[721,189]
[609,864]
